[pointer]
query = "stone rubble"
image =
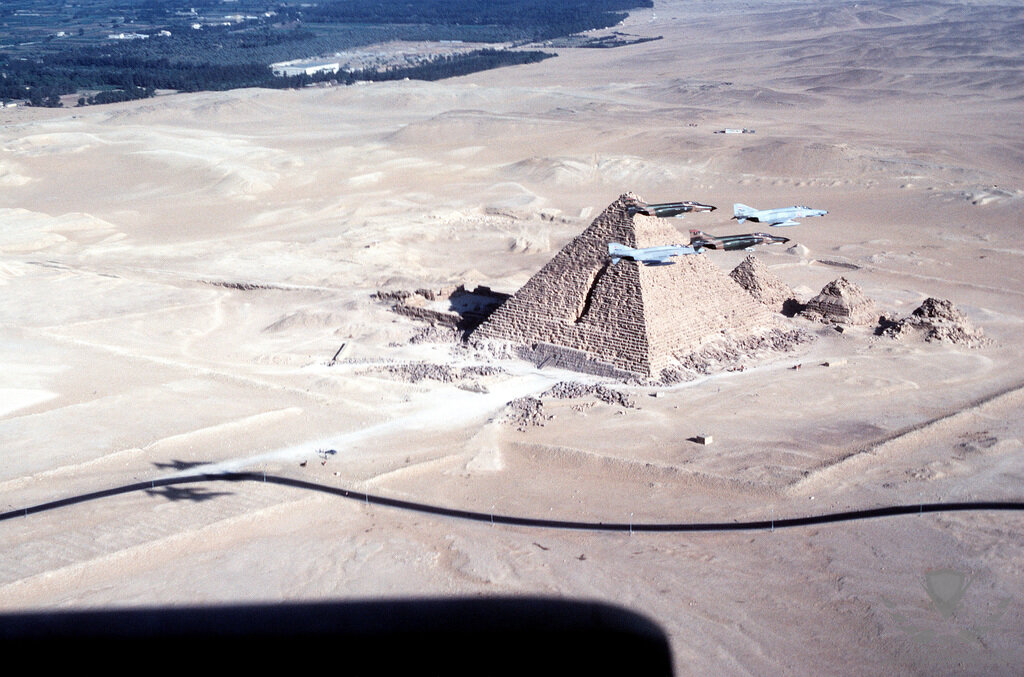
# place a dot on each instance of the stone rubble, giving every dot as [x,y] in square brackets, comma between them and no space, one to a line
[437,333]
[524,413]
[935,320]
[566,390]
[730,354]
[423,371]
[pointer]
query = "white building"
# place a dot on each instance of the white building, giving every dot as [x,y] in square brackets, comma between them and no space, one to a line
[290,68]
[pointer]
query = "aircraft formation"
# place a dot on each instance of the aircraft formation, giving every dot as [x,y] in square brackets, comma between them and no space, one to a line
[699,240]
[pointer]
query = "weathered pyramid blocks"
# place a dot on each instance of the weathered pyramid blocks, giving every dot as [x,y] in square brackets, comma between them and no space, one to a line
[633,317]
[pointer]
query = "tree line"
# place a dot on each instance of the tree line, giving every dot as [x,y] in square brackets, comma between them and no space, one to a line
[124,80]
[228,57]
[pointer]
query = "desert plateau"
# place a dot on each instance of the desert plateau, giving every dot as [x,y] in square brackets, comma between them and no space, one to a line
[207,283]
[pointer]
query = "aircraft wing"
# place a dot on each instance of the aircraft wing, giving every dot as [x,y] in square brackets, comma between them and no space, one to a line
[787,222]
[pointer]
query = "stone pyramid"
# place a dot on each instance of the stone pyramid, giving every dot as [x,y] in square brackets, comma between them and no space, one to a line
[761,283]
[841,301]
[638,318]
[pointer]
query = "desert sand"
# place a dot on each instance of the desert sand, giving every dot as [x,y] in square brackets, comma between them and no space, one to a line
[177,274]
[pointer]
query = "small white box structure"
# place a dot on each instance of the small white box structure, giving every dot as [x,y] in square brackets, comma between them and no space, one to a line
[303,66]
[703,439]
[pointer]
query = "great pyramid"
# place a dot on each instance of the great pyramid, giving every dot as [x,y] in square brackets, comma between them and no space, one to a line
[637,318]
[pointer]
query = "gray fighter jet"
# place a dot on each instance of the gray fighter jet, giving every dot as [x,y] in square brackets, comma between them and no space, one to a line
[649,256]
[701,240]
[774,217]
[666,209]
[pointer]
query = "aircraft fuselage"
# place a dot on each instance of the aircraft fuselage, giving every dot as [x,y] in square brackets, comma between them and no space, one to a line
[667,209]
[783,216]
[649,256]
[699,240]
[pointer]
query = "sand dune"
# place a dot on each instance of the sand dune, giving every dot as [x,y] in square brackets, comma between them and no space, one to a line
[568,172]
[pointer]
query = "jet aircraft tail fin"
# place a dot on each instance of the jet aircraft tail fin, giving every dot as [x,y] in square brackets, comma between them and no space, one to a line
[742,212]
[618,251]
[699,239]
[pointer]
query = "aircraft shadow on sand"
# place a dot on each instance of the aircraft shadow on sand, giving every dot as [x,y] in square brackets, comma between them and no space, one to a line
[194,494]
[175,464]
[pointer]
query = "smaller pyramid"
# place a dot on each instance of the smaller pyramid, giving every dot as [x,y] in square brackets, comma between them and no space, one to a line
[841,302]
[764,285]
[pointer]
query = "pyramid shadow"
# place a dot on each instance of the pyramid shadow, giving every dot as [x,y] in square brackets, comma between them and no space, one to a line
[792,307]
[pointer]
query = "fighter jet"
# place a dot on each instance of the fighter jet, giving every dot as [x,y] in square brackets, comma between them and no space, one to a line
[701,240]
[774,217]
[649,256]
[666,209]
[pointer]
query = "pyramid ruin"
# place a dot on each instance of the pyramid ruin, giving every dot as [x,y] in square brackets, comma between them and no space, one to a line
[841,302]
[637,318]
[936,320]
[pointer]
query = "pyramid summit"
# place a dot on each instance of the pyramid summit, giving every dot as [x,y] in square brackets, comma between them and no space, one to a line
[637,318]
